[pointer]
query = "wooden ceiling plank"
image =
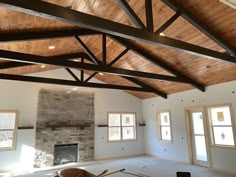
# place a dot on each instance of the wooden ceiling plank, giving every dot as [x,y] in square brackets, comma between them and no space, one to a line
[157,61]
[201,26]
[44,9]
[130,12]
[69,82]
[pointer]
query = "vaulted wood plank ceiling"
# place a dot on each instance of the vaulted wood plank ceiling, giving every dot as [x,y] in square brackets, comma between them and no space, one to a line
[213,14]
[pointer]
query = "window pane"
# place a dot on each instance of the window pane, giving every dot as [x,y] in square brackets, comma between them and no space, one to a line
[114,133]
[200,145]
[220,116]
[114,119]
[128,133]
[6,139]
[165,133]
[7,120]
[128,120]
[223,136]
[198,123]
[164,118]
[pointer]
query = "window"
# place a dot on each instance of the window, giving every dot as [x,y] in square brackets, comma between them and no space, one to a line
[8,123]
[164,125]
[122,126]
[221,125]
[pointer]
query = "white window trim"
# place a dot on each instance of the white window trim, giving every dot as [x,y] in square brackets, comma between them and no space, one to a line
[135,127]
[211,126]
[159,126]
[13,147]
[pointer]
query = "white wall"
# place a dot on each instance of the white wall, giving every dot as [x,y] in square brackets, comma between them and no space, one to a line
[23,96]
[222,158]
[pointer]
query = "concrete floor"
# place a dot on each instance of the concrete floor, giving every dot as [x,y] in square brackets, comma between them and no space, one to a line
[140,166]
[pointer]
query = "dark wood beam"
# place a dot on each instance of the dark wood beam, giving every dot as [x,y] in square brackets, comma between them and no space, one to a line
[82,71]
[44,9]
[22,57]
[72,74]
[154,90]
[91,76]
[167,23]
[38,35]
[118,57]
[157,61]
[130,12]
[69,83]
[104,49]
[13,64]
[86,49]
[149,15]
[187,15]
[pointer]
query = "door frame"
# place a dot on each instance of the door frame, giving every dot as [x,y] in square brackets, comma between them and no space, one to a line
[189,134]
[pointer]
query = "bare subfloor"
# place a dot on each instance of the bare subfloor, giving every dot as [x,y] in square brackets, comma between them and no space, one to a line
[139,166]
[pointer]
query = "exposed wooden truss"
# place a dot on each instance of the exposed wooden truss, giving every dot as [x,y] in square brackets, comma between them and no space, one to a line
[121,33]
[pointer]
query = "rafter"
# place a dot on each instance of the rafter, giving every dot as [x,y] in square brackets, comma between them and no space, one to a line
[156,61]
[201,26]
[13,64]
[70,83]
[22,57]
[43,9]
[130,12]
[34,35]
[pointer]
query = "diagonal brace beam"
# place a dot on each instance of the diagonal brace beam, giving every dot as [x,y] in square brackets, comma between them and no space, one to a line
[130,12]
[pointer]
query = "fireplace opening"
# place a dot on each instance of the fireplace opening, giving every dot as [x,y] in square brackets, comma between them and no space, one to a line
[65,153]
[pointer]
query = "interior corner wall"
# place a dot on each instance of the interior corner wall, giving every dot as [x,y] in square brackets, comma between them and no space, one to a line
[222,158]
[23,96]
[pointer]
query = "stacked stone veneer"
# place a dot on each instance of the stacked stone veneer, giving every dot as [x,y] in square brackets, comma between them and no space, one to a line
[64,118]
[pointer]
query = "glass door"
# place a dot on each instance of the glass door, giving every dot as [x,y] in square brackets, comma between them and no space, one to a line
[199,138]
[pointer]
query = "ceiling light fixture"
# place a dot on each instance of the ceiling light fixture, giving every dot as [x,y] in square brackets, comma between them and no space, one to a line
[43,66]
[101,74]
[75,60]
[162,34]
[51,47]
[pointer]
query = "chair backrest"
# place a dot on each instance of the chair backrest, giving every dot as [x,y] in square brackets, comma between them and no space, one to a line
[183,174]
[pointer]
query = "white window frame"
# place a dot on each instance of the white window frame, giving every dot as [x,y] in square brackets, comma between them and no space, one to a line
[13,147]
[160,126]
[211,126]
[121,136]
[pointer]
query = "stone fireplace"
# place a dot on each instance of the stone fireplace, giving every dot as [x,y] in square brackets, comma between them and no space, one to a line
[64,120]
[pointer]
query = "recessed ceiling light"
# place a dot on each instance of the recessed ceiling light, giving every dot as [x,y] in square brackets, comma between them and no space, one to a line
[162,34]
[101,74]
[75,88]
[43,66]
[51,47]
